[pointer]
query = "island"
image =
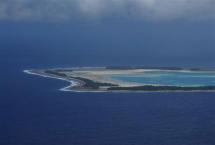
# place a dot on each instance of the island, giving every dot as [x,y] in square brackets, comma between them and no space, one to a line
[131,79]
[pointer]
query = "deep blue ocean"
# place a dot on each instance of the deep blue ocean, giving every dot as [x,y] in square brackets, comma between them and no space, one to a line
[34,112]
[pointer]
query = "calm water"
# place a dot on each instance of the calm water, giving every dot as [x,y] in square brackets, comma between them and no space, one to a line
[34,112]
[171,78]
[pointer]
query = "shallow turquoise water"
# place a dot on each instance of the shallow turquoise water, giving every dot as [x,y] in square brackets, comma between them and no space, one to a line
[171,78]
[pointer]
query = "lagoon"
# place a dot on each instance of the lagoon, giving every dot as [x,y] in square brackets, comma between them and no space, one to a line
[170,78]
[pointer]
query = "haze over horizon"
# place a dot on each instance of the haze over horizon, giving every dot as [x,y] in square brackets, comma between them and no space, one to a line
[167,32]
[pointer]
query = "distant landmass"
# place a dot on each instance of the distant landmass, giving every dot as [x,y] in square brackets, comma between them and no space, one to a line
[131,79]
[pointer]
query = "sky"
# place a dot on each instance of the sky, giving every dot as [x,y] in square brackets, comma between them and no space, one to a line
[63,10]
[171,32]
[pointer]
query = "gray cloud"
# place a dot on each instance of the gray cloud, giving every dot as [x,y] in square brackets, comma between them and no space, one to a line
[57,10]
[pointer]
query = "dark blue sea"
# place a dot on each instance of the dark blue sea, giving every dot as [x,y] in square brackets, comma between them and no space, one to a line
[34,112]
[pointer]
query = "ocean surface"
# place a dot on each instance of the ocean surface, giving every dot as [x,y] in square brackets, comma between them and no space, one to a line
[34,112]
[173,78]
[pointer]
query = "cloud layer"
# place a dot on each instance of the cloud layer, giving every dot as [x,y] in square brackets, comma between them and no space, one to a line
[59,10]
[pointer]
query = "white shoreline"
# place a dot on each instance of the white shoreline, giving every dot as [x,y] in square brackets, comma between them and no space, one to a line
[72,82]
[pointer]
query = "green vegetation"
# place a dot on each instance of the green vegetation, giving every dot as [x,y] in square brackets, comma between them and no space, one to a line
[163,88]
[89,84]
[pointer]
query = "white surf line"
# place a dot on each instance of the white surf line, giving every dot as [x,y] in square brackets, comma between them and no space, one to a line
[64,89]
[72,82]
[67,88]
